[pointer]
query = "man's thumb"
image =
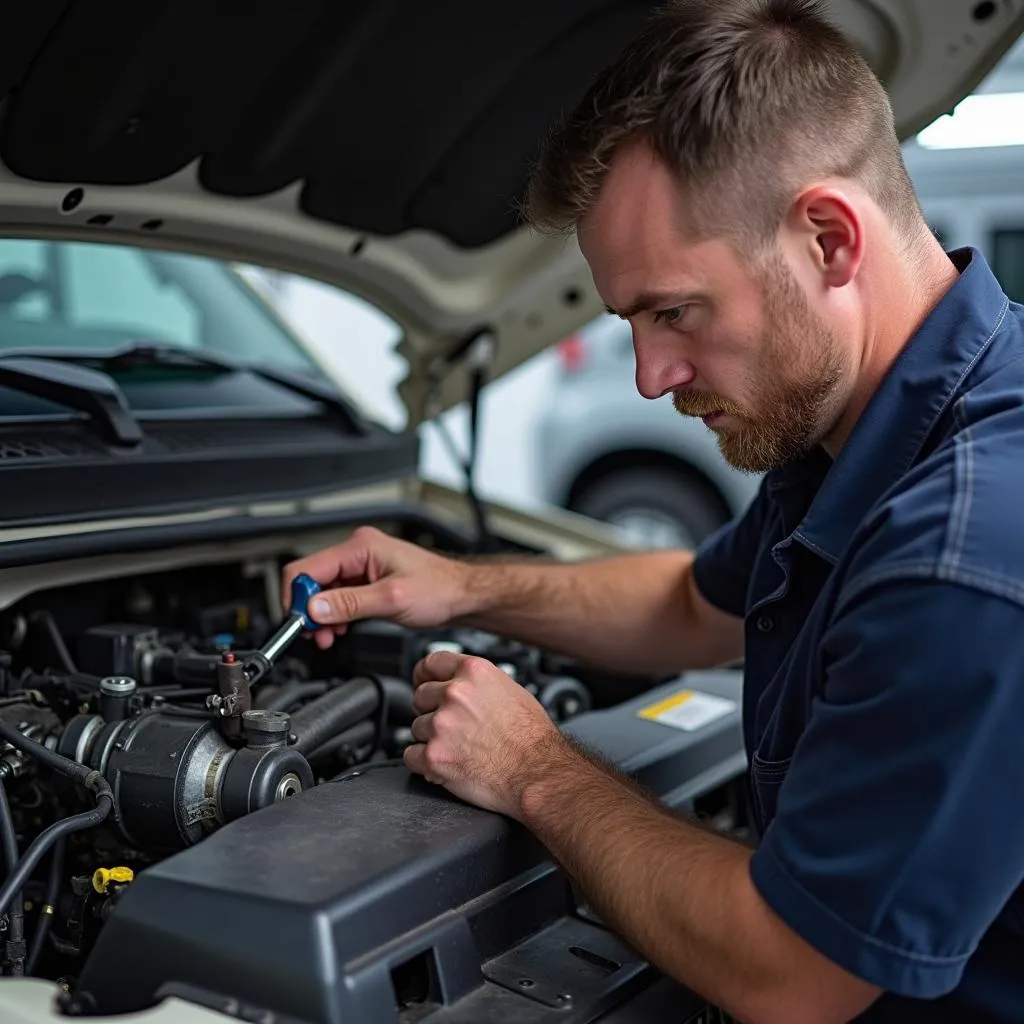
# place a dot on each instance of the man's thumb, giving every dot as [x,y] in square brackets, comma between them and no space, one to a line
[342,605]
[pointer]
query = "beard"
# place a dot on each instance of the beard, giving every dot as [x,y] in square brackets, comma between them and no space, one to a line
[795,385]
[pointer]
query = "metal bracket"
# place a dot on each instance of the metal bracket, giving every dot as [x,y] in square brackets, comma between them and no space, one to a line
[570,964]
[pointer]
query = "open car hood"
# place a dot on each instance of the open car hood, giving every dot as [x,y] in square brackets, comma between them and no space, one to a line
[378,145]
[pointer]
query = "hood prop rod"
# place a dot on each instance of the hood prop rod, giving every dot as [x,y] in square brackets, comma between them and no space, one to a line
[477,353]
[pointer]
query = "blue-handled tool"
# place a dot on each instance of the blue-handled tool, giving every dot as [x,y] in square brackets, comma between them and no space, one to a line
[303,589]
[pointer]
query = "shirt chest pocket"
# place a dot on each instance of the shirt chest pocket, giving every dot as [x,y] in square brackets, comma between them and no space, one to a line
[766,778]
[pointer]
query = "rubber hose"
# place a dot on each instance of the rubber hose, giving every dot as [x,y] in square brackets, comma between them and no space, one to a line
[291,694]
[190,668]
[357,736]
[321,719]
[60,648]
[9,841]
[399,697]
[55,877]
[80,773]
[37,850]
[72,769]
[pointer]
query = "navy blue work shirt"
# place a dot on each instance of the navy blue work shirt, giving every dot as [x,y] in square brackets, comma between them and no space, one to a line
[883,596]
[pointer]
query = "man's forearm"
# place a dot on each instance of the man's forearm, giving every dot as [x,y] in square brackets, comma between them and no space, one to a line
[630,613]
[646,874]
[680,894]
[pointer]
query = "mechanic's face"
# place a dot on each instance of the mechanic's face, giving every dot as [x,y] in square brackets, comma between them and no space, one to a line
[739,347]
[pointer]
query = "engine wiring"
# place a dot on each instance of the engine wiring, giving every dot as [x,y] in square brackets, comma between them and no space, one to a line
[91,780]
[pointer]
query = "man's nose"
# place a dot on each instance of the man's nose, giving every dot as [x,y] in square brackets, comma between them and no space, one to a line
[660,372]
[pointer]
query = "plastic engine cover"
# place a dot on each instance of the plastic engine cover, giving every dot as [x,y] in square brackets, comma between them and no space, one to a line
[378,898]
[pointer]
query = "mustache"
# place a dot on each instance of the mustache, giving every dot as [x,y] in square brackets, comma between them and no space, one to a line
[702,403]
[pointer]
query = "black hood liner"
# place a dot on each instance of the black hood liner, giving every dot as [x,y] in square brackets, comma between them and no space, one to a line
[395,114]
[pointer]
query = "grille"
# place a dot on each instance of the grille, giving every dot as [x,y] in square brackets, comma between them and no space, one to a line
[54,443]
[43,446]
[204,437]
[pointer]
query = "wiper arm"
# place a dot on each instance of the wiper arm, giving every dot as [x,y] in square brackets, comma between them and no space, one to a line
[145,353]
[78,387]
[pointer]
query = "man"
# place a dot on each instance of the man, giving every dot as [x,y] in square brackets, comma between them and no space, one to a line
[737,189]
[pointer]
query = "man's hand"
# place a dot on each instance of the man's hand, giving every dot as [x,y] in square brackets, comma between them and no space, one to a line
[479,734]
[373,575]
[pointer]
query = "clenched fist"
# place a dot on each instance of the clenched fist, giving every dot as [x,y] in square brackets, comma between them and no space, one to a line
[372,575]
[479,733]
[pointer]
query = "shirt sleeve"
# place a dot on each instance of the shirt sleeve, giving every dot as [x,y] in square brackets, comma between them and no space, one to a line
[898,838]
[724,561]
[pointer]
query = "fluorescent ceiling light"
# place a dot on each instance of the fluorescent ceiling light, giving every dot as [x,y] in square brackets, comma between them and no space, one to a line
[989,119]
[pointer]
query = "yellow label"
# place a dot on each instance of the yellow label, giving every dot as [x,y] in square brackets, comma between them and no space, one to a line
[688,710]
[666,705]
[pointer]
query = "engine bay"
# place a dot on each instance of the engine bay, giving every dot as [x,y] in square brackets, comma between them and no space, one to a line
[117,751]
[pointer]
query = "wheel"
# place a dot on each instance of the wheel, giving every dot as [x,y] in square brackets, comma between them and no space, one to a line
[654,507]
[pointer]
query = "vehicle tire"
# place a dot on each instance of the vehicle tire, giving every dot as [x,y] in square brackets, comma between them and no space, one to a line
[654,507]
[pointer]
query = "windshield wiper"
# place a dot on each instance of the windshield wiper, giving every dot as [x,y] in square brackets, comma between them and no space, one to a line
[78,387]
[146,353]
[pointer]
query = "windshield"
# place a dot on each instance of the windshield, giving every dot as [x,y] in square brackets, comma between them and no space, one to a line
[95,296]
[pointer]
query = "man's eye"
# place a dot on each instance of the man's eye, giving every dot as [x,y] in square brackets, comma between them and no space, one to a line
[669,316]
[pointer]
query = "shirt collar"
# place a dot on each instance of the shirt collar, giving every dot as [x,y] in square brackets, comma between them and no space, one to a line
[914,394]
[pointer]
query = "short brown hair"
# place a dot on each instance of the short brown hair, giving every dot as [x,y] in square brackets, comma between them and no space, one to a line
[744,100]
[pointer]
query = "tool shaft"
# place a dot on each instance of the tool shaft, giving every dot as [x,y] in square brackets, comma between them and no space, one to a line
[291,628]
[260,662]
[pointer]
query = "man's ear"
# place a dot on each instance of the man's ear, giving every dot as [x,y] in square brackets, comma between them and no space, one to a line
[828,222]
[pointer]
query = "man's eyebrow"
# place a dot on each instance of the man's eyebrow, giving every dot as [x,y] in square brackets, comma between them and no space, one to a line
[651,300]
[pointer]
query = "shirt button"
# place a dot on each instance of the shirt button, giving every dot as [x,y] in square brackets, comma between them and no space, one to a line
[765,623]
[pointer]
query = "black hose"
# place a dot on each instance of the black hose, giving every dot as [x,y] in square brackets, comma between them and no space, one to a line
[358,736]
[399,697]
[8,837]
[64,765]
[338,709]
[55,877]
[23,698]
[63,654]
[91,780]
[197,669]
[291,694]
[178,692]
[16,921]
[42,842]
[183,712]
